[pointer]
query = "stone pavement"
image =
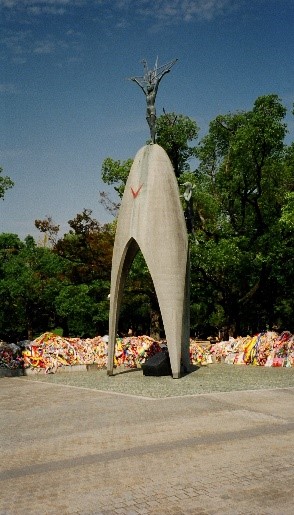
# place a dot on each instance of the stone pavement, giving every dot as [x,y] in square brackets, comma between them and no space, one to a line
[70,450]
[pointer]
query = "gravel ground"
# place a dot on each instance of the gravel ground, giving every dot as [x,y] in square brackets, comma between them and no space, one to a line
[208,379]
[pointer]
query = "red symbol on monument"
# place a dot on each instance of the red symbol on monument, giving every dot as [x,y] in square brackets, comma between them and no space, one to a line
[136,193]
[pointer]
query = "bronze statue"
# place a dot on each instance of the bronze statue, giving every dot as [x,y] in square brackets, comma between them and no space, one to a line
[149,84]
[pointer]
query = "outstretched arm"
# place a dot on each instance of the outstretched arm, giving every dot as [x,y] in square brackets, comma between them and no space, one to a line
[163,73]
[159,79]
[137,82]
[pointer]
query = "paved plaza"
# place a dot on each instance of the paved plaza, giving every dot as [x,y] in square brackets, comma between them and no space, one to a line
[77,450]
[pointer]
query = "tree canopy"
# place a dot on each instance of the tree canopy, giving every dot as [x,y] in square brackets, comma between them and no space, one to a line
[242,207]
[174,133]
[30,279]
[241,221]
[5,183]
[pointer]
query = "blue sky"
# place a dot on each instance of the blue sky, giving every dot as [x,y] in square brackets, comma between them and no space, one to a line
[66,104]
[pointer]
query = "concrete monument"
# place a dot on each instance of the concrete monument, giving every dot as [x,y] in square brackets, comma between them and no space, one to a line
[151,219]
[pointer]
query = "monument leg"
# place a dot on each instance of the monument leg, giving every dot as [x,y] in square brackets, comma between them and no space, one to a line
[120,269]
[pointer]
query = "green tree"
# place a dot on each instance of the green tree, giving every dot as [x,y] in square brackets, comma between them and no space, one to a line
[83,304]
[241,186]
[87,247]
[30,279]
[242,209]
[84,308]
[115,172]
[174,133]
[49,229]
[5,183]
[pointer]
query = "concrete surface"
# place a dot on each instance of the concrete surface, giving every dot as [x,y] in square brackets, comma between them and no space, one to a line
[72,450]
[151,219]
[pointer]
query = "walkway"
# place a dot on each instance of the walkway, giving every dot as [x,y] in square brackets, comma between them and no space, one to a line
[71,450]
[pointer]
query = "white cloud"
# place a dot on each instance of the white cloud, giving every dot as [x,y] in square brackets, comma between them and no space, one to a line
[120,14]
[16,41]
[49,9]
[7,3]
[44,47]
[19,60]
[38,7]
[114,14]
[8,88]
[177,10]
[20,45]
[72,32]
[164,10]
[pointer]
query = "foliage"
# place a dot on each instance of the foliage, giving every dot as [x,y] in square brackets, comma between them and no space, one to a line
[87,247]
[29,283]
[49,229]
[84,307]
[241,243]
[287,216]
[242,212]
[242,184]
[65,285]
[174,133]
[5,183]
[108,203]
[116,172]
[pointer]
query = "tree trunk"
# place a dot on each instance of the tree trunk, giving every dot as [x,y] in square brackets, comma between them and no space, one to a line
[30,332]
[155,326]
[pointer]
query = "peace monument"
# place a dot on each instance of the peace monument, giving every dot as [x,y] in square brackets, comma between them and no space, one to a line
[151,219]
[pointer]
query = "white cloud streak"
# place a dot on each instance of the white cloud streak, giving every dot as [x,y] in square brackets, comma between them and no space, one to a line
[170,11]
[38,7]
[22,41]
[175,11]
[7,88]
[22,45]
[44,47]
